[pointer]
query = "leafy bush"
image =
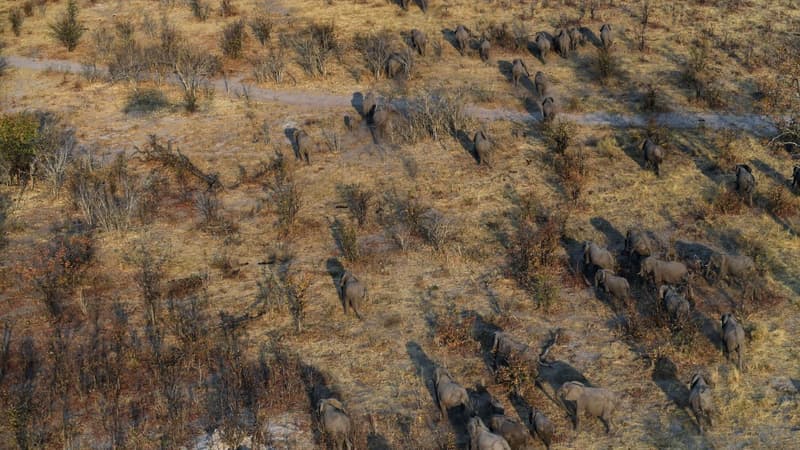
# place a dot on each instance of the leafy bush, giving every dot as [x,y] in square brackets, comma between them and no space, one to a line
[606,63]
[18,140]
[571,169]
[68,30]
[145,101]
[558,135]
[358,201]
[16,18]
[233,36]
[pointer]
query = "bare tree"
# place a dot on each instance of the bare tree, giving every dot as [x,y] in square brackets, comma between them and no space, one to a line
[194,67]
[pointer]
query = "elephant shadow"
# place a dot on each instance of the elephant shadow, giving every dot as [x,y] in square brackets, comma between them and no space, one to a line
[377,441]
[450,36]
[533,107]
[484,405]
[335,269]
[466,143]
[289,132]
[708,327]
[506,69]
[613,236]
[687,251]
[357,102]
[522,407]
[665,376]
[422,4]
[765,168]
[589,36]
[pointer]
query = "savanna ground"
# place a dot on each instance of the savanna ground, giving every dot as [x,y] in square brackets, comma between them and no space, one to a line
[146,306]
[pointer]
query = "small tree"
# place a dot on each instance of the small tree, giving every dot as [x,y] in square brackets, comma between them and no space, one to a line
[15,17]
[68,30]
[193,68]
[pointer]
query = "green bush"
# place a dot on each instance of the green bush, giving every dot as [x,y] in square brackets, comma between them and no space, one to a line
[68,30]
[18,137]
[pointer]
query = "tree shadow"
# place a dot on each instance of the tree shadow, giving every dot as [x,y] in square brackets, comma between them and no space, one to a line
[289,132]
[665,376]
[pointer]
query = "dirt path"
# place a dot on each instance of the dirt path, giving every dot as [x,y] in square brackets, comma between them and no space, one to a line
[752,123]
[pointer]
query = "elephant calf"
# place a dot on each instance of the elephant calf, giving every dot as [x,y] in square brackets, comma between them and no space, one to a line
[368,106]
[483,146]
[575,38]
[485,50]
[420,41]
[303,143]
[675,304]
[796,178]
[449,394]
[480,438]
[733,339]
[352,292]
[596,256]
[606,36]
[541,84]
[462,38]
[505,347]
[515,433]
[335,423]
[597,402]
[745,182]
[548,109]
[612,284]
[653,155]
[542,426]
[739,267]
[518,70]
[701,401]
[660,272]
[396,64]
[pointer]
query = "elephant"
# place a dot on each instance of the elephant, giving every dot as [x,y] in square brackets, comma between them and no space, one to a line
[562,43]
[396,64]
[483,146]
[303,142]
[335,423]
[515,433]
[733,339]
[739,267]
[542,426]
[449,393]
[543,45]
[480,438]
[598,402]
[419,41]
[548,109]
[541,84]
[606,36]
[352,292]
[518,69]
[575,38]
[745,182]
[660,272]
[368,106]
[796,178]
[505,347]
[485,50]
[596,256]
[653,155]
[675,304]
[462,38]
[701,401]
[615,285]
[638,243]
[383,119]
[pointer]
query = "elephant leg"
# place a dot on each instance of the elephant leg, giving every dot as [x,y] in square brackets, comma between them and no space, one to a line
[353,305]
[345,301]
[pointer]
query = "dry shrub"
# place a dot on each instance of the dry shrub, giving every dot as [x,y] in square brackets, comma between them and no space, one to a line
[194,68]
[434,113]
[727,201]
[212,220]
[406,217]
[606,63]
[781,202]
[346,237]
[608,147]
[517,376]
[185,173]
[271,67]
[314,45]
[454,332]
[261,26]
[558,135]
[6,204]
[437,229]
[226,8]
[233,36]
[510,36]
[375,48]
[358,201]
[200,9]
[570,166]
[16,18]
[728,149]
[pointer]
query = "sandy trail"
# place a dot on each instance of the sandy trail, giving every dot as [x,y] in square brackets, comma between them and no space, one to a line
[752,123]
